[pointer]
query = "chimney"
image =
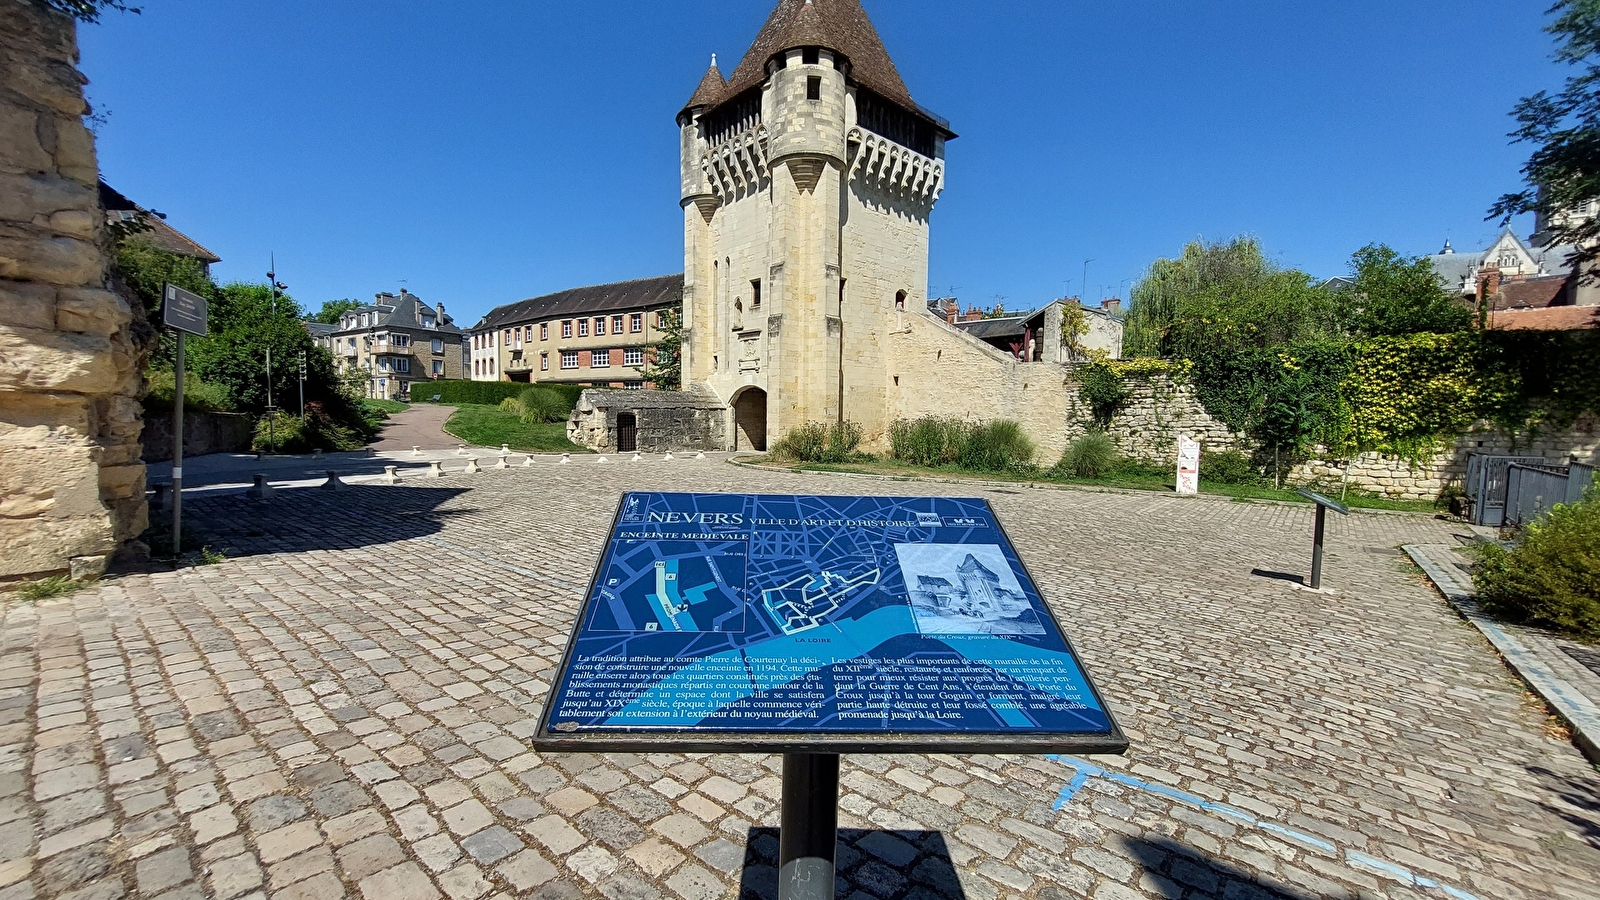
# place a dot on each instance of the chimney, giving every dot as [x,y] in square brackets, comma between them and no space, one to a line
[951,308]
[1112,306]
[973,314]
[439,308]
[402,292]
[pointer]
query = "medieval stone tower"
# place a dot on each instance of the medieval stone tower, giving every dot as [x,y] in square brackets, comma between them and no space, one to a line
[807,182]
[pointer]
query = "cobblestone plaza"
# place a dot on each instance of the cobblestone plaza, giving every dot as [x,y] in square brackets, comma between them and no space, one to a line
[342,707]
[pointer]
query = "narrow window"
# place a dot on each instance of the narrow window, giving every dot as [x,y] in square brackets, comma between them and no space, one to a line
[810,56]
[544,331]
[755,294]
[814,88]
[900,300]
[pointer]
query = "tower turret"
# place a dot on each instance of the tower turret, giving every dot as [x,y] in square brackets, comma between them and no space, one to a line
[815,172]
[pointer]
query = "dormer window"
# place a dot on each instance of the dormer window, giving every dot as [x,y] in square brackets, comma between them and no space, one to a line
[427,322]
[810,56]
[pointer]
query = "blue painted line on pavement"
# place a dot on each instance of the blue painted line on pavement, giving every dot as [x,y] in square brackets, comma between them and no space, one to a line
[1083,770]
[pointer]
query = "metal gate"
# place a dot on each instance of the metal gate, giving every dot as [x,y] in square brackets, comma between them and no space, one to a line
[1486,485]
[1532,490]
[627,433]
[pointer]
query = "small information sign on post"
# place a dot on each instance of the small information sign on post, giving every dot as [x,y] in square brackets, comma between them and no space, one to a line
[814,626]
[186,313]
[1323,505]
[1188,465]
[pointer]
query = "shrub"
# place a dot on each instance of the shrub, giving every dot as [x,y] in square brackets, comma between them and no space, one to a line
[1228,467]
[817,442]
[1090,455]
[283,433]
[511,405]
[1552,577]
[543,404]
[998,446]
[488,393]
[1103,389]
[928,441]
[198,395]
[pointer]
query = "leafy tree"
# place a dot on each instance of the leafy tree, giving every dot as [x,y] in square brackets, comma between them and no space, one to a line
[332,310]
[1223,297]
[1563,172]
[146,269]
[86,10]
[1074,325]
[663,361]
[1395,295]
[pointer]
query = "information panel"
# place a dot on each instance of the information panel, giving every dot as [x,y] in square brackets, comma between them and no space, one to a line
[818,623]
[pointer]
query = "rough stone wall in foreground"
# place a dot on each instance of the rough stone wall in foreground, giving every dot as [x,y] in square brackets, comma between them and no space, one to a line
[72,485]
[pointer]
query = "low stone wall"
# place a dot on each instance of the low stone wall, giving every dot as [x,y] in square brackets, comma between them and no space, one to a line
[202,433]
[664,420]
[1158,410]
[72,487]
[1404,479]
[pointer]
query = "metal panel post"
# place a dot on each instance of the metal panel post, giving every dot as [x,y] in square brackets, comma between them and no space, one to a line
[1316,547]
[809,825]
[177,453]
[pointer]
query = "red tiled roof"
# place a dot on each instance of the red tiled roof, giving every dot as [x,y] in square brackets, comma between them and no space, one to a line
[161,235]
[1551,318]
[1532,293]
[838,25]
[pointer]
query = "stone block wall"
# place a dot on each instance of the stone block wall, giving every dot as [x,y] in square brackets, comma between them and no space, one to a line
[72,485]
[1159,409]
[202,433]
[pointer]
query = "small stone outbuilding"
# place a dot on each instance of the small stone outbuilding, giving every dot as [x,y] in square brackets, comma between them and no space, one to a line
[623,421]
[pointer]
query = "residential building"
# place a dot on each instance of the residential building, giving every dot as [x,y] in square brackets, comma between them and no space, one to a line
[397,341]
[597,335]
[1037,336]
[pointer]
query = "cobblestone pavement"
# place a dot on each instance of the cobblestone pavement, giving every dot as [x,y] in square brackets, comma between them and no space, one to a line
[341,708]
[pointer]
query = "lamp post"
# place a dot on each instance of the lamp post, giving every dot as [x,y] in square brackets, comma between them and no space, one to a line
[1083,285]
[302,384]
[274,285]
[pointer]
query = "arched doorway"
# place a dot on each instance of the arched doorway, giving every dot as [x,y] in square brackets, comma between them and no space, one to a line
[750,420]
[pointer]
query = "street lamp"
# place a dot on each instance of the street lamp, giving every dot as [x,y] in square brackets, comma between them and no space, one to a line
[274,285]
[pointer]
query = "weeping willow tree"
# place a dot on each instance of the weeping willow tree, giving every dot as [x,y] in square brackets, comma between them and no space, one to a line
[1224,294]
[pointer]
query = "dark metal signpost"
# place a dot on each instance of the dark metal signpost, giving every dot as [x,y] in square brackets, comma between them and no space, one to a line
[1323,505]
[813,626]
[185,313]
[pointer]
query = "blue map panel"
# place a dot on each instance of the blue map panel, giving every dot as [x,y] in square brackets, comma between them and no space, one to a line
[786,615]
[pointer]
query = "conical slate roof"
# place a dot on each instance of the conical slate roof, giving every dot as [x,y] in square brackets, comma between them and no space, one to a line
[712,87]
[838,25]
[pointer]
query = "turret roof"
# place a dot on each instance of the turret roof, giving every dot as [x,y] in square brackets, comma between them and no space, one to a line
[839,25]
[712,87]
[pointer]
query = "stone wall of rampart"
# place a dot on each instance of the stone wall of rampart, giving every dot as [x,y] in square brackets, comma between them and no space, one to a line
[72,485]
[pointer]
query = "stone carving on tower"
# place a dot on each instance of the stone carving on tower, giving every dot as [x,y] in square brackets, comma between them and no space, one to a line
[808,177]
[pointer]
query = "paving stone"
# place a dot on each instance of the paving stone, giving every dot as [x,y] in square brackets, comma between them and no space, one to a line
[491,845]
[160,871]
[402,882]
[202,706]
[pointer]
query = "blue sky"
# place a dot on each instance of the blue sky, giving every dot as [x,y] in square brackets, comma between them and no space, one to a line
[479,153]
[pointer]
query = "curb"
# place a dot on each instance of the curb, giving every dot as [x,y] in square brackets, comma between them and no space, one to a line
[1051,486]
[1580,712]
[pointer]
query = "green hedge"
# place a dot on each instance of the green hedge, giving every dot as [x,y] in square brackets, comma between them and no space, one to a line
[488,393]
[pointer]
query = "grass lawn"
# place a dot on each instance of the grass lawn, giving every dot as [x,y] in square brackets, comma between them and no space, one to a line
[487,426]
[388,406]
[1159,483]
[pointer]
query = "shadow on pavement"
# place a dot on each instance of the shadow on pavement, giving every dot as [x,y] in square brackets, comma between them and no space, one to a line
[1175,866]
[1279,576]
[1583,809]
[892,865]
[300,519]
